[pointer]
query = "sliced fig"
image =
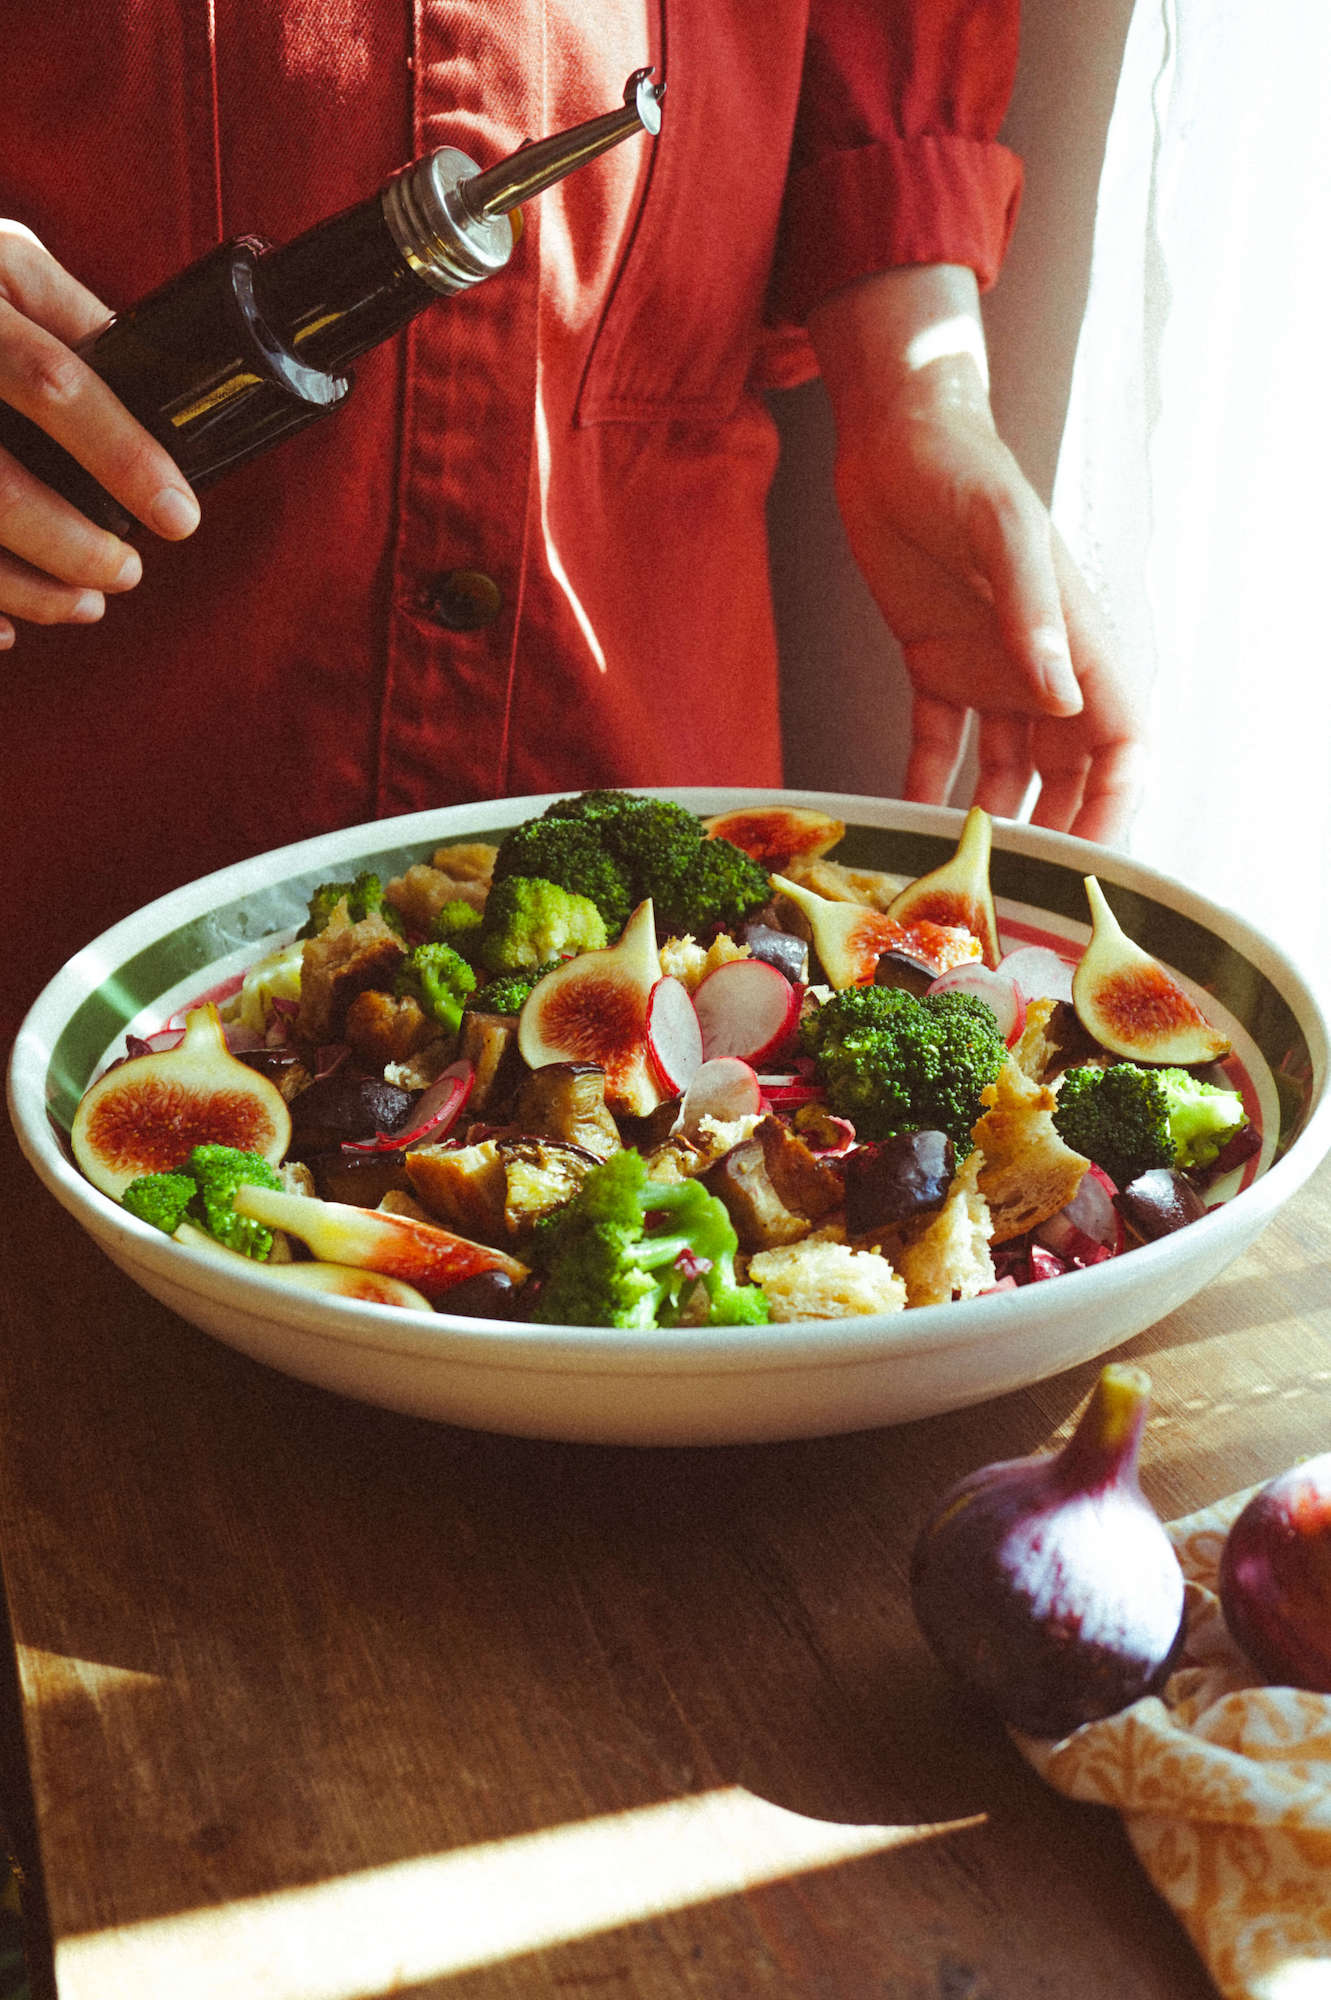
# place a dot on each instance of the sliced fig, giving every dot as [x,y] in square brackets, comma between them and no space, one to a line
[146,1115]
[370,1239]
[593,1009]
[850,938]
[1131,1005]
[775,835]
[746,1008]
[958,893]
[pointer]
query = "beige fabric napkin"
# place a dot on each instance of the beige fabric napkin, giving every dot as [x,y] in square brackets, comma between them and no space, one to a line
[1224,1785]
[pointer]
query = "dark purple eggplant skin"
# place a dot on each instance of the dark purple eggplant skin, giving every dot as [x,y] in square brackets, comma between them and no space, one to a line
[893,1179]
[787,953]
[898,968]
[1158,1203]
[485,1295]
[1047,1586]
[346,1105]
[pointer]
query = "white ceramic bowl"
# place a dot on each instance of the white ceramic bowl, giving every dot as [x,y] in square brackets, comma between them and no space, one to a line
[679,1386]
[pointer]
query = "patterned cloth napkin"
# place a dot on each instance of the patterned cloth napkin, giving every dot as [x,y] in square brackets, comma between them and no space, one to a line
[1224,1785]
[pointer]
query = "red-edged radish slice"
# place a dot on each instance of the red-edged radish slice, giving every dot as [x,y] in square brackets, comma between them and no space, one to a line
[725,1089]
[437,1110]
[1001,994]
[1090,1228]
[746,1008]
[1040,974]
[674,1036]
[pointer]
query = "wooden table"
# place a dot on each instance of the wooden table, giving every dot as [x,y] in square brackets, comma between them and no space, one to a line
[318,1702]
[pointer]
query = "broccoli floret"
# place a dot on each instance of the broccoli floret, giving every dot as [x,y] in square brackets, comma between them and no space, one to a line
[570,853]
[456,923]
[891,1061]
[438,979]
[364,898]
[1129,1120]
[217,1171]
[162,1199]
[507,993]
[632,1252]
[529,921]
[720,887]
[654,848]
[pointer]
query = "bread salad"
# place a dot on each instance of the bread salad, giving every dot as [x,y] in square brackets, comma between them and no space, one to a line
[633,1068]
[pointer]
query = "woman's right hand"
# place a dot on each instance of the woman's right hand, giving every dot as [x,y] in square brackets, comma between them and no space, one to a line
[56,566]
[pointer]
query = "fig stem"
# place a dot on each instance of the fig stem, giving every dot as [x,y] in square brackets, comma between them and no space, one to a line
[1103,1448]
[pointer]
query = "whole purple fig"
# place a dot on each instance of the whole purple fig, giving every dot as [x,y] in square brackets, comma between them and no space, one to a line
[1047,1585]
[1275,1577]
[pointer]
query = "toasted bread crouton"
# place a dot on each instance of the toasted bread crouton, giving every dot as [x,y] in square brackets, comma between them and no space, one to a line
[822,1279]
[459,874]
[949,1258]
[683,958]
[343,960]
[464,1187]
[843,884]
[1028,1173]
[382,1028]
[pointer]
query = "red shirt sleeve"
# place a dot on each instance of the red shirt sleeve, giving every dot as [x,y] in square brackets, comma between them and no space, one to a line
[895,158]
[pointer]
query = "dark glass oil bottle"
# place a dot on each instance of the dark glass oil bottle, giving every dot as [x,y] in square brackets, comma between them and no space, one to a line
[252,342]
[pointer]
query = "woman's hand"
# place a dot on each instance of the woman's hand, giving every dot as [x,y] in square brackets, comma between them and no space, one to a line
[966,566]
[56,567]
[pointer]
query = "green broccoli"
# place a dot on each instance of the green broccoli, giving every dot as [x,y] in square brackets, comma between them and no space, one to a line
[1128,1119]
[891,1061]
[438,979]
[570,853]
[632,1252]
[218,1172]
[529,921]
[651,847]
[203,1190]
[456,923]
[507,992]
[162,1199]
[364,898]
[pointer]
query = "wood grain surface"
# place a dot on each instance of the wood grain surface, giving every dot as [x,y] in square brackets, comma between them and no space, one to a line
[311,1701]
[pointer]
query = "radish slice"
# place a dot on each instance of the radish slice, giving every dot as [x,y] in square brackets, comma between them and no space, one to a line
[1090,1228]
[746,1008]
[997,991]
[1039,974]
[674,1037]
[437,1109]
[725,1089]
[1044,1264]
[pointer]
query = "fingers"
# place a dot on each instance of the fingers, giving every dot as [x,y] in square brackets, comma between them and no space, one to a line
[937,733]
[55,565]
[1013,544]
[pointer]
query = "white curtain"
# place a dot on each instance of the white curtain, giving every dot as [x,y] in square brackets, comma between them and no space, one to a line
[1194,477]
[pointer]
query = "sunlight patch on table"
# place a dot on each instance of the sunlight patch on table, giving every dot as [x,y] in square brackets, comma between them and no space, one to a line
[387,1928]
[54,1676]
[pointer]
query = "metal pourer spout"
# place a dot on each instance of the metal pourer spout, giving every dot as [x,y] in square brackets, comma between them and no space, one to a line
[538,166]
[454,223]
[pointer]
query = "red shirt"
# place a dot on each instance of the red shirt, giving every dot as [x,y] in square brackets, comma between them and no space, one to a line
[587,429]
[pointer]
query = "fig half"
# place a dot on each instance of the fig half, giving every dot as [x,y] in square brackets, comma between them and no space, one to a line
[1131,1005]
[850,939]
[958,893]
[146,1115]
[774,836]
[594,1009]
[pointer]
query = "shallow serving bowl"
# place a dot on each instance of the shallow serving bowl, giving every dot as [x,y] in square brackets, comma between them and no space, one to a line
[681,1386]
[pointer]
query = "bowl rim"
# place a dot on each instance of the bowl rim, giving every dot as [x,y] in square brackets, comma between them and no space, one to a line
[775,1347]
